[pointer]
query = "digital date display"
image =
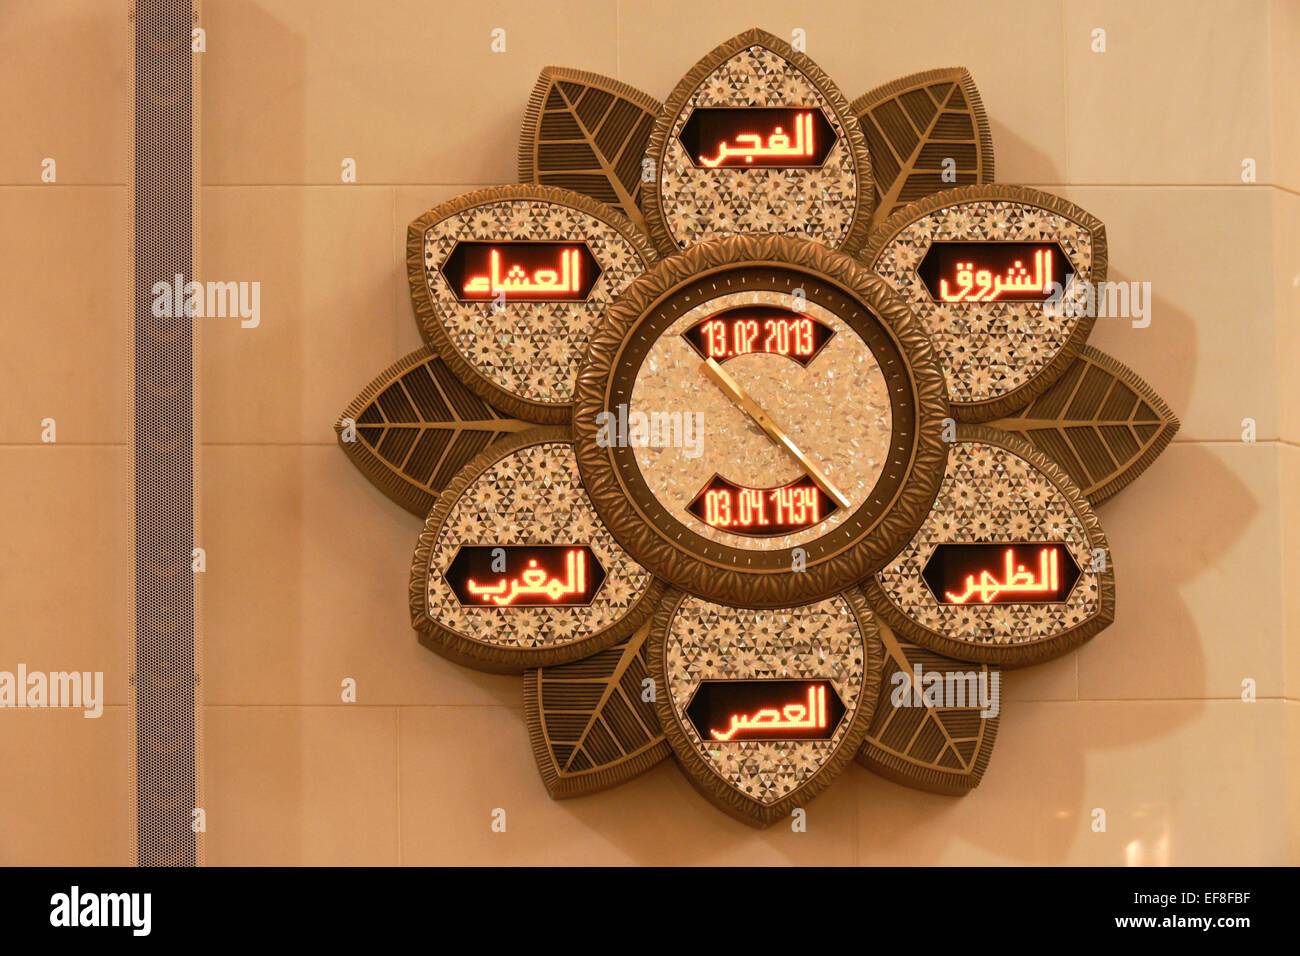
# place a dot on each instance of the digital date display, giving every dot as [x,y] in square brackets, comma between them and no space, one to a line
[525,575]
[978,574]
[762,512]
[734,711]
[747,330]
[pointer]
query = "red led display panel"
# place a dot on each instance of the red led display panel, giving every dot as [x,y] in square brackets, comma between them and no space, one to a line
[757,328]
[727,136]
[1001,573]
[993,271]
[732,711]
[521,270]
[759,512]
[525,575]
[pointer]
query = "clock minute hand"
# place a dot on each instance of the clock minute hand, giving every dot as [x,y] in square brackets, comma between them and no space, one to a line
[731,388]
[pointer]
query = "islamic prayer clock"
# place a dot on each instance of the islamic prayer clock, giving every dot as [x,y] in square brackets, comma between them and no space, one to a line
[757,428]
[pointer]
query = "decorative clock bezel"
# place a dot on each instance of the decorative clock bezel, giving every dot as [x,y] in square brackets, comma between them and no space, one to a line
[684,568]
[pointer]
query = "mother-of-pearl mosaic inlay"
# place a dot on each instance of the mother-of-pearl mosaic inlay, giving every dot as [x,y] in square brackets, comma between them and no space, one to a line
[531,349]
[836,410]
[990,494]
[707,641]
[812,203]
[531,496]
[988,348]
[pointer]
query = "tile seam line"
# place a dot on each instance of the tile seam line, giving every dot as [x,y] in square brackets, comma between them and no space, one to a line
[332,444]
[1065,85]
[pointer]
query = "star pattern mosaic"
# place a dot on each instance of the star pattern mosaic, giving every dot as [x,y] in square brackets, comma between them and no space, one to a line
[532,496]
[703,204]
[988,348]
[530,348]
[854,383]
[707,641]
[990,494]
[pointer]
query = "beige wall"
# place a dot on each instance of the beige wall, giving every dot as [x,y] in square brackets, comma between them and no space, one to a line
[306,581]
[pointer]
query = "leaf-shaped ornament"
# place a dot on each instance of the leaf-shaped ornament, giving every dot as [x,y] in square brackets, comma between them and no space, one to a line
[936,719]
[415,426]
[757,138]
[926,132]
[515,570]
[764,707]
[590,723]
[1004,279]
[1101,422]
[1010,567]
[507,284]
[588,133]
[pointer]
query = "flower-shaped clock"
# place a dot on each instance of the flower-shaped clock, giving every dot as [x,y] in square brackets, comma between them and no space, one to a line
[757,427]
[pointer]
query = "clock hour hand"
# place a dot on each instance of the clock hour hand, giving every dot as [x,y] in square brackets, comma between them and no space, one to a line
[731,388]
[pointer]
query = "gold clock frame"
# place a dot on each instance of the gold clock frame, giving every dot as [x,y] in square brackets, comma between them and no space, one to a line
[1084,414]
[689,571]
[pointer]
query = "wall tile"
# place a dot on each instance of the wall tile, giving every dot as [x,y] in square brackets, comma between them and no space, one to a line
[307,585]
[67,798]
[1181,94]
[1286,285]
[459,764]
[1293,782]
[324,258]
[1284,66]
[1289,546]
[1208,256]
[1182,783]
[66,289]
[66,560]
[64,81]
[300,786]
[1055,680]
[1196,548]
[292,87]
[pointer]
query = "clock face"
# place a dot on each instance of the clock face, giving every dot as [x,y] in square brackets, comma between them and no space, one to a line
[761,424]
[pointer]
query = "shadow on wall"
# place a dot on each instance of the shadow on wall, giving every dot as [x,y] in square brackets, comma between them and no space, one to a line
[1176,521]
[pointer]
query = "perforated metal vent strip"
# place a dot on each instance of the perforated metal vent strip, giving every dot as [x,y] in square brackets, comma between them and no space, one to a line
[164,658]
